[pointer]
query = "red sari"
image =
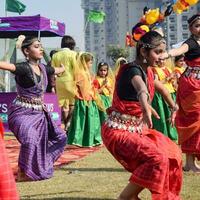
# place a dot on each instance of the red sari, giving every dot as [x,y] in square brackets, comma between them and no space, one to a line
[152,158]
[188,115]
[7,182]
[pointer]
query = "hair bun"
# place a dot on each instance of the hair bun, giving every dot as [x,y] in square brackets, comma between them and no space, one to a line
[19,41]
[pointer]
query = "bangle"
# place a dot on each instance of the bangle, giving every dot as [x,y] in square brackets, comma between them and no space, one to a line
[174,108]
[145,92]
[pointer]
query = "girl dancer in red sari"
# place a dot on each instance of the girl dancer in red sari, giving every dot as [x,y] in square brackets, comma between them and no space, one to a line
[188,96]
[152,158]
[8,188]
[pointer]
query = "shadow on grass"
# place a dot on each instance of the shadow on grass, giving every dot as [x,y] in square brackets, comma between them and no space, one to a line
[55,196]
[62,198]
[66,198]
[92,169]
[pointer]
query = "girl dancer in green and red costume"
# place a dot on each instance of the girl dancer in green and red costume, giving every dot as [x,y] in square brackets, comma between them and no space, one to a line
[188,96]
[153,160]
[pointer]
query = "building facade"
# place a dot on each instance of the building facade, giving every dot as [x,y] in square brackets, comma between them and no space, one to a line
[176,26]
[121,16]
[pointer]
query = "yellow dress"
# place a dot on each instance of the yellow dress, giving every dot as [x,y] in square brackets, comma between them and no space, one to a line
[163,124]
[106,87]
[65,84]
[107,90]
[162,77]
[177,73]
[179,70]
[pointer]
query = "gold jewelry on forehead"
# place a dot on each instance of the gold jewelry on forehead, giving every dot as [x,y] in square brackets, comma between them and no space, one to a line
[152,46]
[29,42]
[194,20]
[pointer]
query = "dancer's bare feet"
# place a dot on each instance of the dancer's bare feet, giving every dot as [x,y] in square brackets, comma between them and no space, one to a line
[195,169]
[186,168]
[191,164]
[196,165]
[192,168]
[133,198]
[22,177]
[130,192]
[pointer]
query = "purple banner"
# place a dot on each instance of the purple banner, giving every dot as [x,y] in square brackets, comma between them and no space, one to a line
[12,27]
[50,100]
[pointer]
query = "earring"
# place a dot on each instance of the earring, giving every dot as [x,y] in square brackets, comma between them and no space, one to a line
[144,61]
[27,58]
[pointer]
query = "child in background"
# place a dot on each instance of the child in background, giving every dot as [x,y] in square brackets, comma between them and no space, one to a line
[104,85]
[179,68]
[164,74]
[65,82]
[51,87]
[85,128]
[180,65]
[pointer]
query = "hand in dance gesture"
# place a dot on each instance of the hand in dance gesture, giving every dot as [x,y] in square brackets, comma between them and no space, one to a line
[147,116]
[173,114]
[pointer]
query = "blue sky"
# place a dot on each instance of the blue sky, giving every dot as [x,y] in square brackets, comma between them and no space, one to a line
[67,11]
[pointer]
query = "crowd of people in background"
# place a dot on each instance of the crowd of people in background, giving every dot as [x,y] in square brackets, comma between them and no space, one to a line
[141,110]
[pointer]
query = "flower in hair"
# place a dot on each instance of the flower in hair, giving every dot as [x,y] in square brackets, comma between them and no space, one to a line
[129,40]
[150,18]
[153,17]
[19,41]
[139,30]
[191,2]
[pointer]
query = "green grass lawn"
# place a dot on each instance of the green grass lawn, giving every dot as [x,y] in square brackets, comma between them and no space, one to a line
[97,177]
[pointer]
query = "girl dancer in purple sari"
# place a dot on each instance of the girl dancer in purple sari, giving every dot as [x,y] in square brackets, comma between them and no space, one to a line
[42,142]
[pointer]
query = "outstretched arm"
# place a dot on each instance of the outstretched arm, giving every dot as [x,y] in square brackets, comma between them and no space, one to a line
[7,66]
[176,52]
[179,51]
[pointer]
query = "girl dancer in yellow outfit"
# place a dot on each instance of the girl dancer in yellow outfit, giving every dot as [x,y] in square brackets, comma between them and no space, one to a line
[85,128]
[164,74]
[104,83]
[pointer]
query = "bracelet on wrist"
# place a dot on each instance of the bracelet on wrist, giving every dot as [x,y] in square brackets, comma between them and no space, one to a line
[145,92]
[174,108]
